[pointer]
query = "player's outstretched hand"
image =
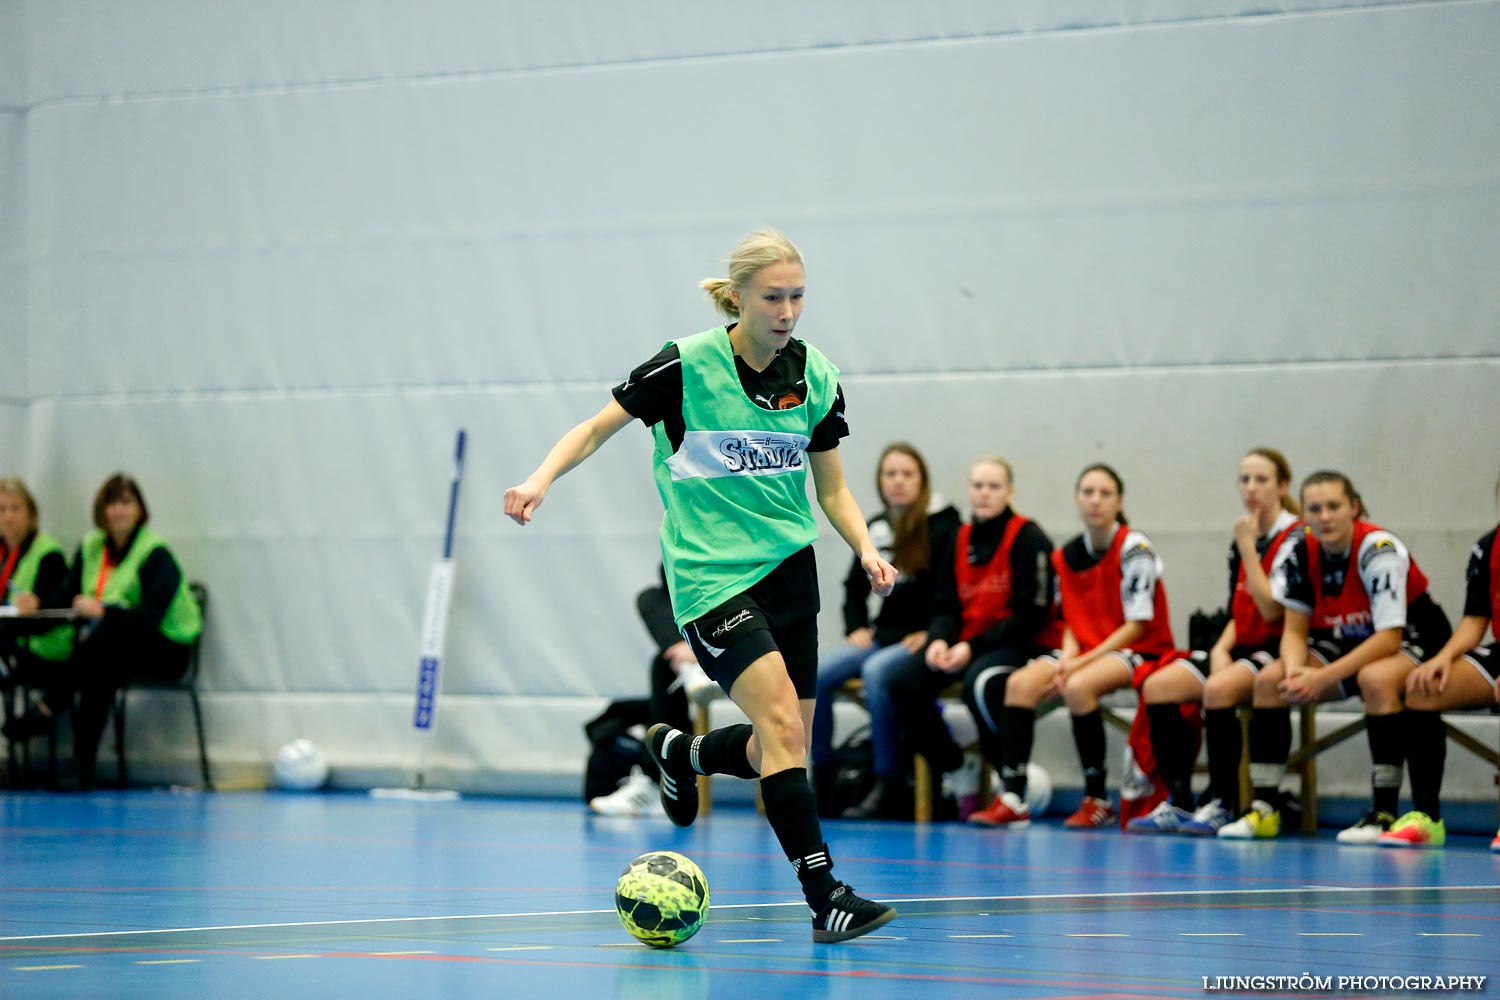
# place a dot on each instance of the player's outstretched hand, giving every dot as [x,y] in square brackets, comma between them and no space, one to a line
[522,501]
[881,573]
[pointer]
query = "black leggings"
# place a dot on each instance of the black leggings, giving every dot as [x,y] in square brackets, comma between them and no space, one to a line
[120,648]
[914,688]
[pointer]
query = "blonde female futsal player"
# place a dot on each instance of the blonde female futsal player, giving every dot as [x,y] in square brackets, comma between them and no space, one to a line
[739,413]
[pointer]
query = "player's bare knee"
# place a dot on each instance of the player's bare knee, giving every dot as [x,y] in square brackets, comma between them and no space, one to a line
[780,729]
[1217,694]
[1380,692]
[1166,687]
[1024,688]
[1267,690]
[1422,701]
[1079,698]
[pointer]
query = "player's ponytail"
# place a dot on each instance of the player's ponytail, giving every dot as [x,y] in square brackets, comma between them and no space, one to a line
[718,290]
[760,249]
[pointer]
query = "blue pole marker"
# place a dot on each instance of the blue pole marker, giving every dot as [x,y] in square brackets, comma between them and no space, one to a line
[430,661]
[439,600]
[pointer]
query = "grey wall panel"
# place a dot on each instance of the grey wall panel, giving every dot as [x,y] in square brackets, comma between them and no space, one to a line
[1134,209]
[13,248]
[161,46]
[13,52]
[274,298]
[314,519]
[1428,469]
[13,452]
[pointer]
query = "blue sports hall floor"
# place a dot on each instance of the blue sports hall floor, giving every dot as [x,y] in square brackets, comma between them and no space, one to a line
[255,895]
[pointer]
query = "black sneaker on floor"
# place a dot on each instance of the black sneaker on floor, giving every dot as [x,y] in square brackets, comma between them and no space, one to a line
[846,916]
[679,784]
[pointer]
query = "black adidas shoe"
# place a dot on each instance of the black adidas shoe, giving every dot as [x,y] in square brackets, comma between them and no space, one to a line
[679,783]
[846,916]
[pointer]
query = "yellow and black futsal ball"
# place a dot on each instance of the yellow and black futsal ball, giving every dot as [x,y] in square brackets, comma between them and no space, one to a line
[662,898]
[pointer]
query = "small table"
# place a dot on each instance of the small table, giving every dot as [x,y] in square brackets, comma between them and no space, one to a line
[14,623]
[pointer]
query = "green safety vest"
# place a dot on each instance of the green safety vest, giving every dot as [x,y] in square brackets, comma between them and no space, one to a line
[55,644]
[183,621]
[735,491]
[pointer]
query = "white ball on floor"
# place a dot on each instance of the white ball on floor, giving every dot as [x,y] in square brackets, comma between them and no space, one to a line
[1038,789]
[301,766]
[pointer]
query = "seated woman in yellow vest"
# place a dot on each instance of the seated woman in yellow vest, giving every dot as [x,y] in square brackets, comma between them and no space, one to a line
[31,563]
[138,620]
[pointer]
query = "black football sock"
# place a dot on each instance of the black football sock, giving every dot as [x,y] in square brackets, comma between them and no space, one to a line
[792,811]
[1016,734]
[1386,757]
[1172,745]
[723,752]
[1426,754]
[1270,745]
[1221,730]
[1088,737]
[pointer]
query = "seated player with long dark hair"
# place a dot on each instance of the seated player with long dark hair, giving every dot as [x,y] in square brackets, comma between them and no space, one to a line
[1358,620]
[1223,677]
[1114,608]
[913,526]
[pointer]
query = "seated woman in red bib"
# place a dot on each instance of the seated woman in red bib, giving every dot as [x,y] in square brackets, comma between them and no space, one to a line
[1465,673]
[1114,609]
[32,562]
[1223,678]
[139,618]
[1358,620]
[991,604]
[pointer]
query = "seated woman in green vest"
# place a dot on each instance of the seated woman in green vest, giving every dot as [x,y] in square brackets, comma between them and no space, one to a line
[138,618]
[32,562]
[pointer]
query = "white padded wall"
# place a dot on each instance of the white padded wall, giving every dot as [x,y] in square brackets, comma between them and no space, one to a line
[12,233]
[279,252]
[13,49]
[13,270]
[171,46]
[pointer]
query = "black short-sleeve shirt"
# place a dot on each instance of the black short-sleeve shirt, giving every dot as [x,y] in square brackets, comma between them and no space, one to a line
[653,393]
[1477,586]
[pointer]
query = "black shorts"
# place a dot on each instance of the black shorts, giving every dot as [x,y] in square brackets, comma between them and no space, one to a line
[1252,658]
[1427,629]
[1325,651]
[1486,661]
[780,613]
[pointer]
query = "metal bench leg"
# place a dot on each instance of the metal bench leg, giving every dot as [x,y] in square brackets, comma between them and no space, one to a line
[122,777]
[922,790]
[208,782]
[1247,788]
[1304,761]
[1308,734]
